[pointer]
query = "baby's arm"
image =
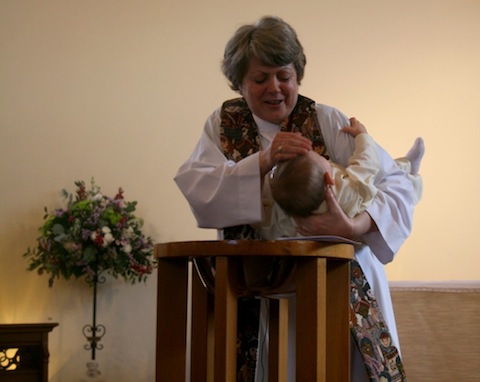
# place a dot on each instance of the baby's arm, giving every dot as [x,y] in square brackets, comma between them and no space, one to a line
[355,128]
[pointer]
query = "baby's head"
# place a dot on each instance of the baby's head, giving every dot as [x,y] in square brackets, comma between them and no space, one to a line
[298,184]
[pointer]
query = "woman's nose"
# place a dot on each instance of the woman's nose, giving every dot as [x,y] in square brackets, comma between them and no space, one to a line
[273,84]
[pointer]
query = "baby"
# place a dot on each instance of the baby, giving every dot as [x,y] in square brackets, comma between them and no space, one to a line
[298,185]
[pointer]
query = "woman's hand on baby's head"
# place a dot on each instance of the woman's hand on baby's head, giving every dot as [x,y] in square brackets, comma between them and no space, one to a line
[284,146]
[287,145]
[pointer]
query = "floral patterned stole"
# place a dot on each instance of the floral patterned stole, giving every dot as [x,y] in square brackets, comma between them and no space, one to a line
[239,138]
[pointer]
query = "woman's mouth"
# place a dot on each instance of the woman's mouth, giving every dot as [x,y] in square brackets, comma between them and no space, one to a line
[274,102]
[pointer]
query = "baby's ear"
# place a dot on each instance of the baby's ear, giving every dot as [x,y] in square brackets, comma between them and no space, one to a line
[328,179]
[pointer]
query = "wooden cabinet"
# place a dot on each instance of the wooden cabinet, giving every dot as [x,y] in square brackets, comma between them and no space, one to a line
[24,352]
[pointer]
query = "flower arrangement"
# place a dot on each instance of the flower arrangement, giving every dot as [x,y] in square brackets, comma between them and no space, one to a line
[92,235]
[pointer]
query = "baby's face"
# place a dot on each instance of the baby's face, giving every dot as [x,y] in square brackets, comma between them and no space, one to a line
[320,161]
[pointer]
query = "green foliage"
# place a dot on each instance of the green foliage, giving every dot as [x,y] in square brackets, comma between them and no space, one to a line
[91,235]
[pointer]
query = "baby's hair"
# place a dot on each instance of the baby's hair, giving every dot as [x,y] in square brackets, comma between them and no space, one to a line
[298,185]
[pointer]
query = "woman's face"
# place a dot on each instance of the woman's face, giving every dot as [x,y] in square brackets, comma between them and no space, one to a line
[270,92]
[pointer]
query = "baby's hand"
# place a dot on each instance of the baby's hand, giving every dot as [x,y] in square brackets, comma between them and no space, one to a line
[355,128]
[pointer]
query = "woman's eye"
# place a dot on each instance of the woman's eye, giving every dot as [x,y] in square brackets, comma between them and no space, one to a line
[284,76]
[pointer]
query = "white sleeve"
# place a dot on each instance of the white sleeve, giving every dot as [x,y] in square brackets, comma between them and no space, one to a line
[364,162]
[355,187]
[221,193]
[392,208]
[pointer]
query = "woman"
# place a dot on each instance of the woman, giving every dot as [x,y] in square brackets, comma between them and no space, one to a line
[222,180]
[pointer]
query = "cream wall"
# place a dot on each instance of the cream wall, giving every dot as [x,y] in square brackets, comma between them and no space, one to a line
[119,90]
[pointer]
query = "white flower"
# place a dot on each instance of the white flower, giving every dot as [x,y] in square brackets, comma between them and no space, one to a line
[106,229]
[127,248]
[97,197]
[128,233]
[107,239]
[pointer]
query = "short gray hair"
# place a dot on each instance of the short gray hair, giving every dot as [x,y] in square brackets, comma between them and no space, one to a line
[270,40]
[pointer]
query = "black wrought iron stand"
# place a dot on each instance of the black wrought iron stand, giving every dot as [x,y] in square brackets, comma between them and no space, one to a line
[94,333]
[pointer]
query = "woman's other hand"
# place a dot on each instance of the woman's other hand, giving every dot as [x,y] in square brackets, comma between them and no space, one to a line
[335,222]
[332,222]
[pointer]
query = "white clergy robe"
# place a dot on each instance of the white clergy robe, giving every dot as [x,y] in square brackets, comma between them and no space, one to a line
[222,193]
